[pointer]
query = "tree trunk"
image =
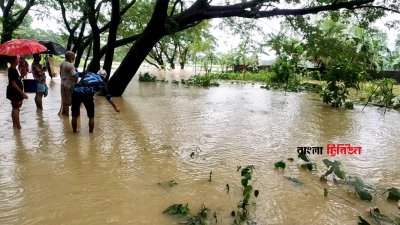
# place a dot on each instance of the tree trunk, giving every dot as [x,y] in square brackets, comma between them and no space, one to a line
[112,37]
[132,61]
[94,64]
[154,31]
[6,35]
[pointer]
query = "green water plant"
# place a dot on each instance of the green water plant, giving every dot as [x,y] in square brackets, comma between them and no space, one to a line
[381,93]
[361,188]
[334,168]
[242,213]
[201,80]
[147,77]
[177,210]
[378,217]
[394,194]
[307,162]
[201,218]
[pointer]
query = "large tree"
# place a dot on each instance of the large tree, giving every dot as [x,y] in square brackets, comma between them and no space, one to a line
[167,20]
[13,16]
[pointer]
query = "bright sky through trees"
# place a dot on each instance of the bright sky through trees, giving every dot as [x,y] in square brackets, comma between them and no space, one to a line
[227,42]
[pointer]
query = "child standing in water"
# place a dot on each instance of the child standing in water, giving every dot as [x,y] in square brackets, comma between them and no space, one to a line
[15,91]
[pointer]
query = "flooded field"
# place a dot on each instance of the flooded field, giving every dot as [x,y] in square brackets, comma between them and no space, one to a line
[120,174]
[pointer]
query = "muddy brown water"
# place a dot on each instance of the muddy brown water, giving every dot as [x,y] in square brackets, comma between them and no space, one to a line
[120,173]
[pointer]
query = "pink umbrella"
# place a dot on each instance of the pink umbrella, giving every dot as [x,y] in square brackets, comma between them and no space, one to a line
[21,47]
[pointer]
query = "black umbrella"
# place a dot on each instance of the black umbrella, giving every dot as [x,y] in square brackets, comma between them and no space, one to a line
[53,48]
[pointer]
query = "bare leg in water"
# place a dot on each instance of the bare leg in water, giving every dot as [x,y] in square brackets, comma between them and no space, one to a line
[15,114]
[38,100]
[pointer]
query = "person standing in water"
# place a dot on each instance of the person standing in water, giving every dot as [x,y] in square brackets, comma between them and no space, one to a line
[39,74]
[68,80]
[15,91]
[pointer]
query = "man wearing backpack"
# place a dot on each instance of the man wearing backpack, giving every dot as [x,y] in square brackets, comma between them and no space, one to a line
[83,92]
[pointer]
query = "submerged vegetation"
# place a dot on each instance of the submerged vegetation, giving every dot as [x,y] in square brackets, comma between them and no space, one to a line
[335,173]
[241,216]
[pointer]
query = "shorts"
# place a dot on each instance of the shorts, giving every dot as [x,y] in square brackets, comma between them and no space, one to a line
[86,99]
[41,88]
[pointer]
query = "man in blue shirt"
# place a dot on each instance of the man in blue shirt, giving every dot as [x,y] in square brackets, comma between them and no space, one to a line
[83,92]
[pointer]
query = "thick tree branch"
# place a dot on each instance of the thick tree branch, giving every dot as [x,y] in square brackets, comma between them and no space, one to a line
[2,5]
[24,11]
[201,10]
[98,7]
[378,7]
[174,6]
[7,9]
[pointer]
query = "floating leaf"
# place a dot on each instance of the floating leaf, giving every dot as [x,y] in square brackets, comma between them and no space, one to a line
[334,167]
[363,194]
[172,183]
[339,173]
[303,157]
[280,164]
[310,166]
[290,159]
[357,181]
[326,192]
[394,194]
[256,193]
[362,221]
[294,180]
[328,163]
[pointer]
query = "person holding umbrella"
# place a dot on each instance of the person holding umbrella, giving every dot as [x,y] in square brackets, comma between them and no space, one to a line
[39,75]
[15,91]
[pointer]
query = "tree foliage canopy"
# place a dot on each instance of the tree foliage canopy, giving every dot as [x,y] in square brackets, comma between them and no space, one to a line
[99,27]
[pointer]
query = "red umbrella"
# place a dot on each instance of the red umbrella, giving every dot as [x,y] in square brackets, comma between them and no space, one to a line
[21,47]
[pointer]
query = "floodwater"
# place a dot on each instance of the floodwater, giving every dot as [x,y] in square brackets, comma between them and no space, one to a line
[120,173]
